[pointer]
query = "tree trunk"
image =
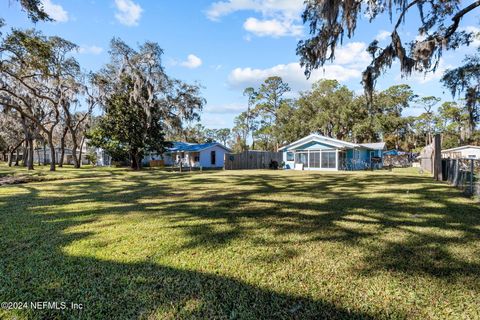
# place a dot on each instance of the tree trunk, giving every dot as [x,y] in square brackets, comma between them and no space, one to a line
[25,152]
[44,153]
[62,147]
[16,157]
[10,158]
[30,155]
[52,151]
[74,152]
[80,153]
[62,156]
[26,133]
[135,163]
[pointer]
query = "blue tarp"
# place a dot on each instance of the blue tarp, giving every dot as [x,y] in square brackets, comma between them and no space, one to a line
[391,153]
[394,152]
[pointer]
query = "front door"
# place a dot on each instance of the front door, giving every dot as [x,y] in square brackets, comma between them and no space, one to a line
[213,158]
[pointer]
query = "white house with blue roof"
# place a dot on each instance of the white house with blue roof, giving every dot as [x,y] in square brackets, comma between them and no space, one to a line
[317,152]
[205,155]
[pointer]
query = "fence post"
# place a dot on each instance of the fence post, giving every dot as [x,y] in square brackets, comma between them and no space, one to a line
[437,158]
[471,176]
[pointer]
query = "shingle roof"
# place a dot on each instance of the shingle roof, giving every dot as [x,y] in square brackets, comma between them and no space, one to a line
[323,139]
[461,148]
[193,147]
[374,146]
[333,142]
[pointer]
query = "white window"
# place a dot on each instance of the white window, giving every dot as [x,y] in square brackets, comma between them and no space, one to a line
[314,159]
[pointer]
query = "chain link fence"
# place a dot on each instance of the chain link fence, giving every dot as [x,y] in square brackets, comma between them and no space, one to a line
[463,174]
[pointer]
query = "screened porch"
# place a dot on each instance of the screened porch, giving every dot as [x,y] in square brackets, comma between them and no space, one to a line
[318,159]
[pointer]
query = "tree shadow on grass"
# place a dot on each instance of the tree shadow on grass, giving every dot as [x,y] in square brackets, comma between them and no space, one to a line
[34,267]
[433,220]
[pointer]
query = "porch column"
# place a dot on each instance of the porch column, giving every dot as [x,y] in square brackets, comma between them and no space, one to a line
[308,159]
[336,158]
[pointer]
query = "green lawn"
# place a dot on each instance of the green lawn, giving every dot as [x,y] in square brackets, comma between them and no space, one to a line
[14,174]
[240,245]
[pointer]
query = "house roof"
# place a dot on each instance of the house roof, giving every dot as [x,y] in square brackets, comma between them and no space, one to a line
[374,146]
[333,142]
[461,148]
[194,147]
[319,138]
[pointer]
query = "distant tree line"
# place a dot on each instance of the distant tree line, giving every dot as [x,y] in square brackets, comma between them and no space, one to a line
[271,119]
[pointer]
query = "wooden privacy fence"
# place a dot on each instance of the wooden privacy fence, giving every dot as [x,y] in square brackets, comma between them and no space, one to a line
[426,158]
[251,160]
[431,158]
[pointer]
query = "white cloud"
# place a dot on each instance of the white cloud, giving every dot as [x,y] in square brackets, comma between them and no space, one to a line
[382,35]
[273,27]
[90,50]
[350,61]
[55,11]
[288,8]
[352,53]
[279,17]
[128,12]
[192,62]
[291,73]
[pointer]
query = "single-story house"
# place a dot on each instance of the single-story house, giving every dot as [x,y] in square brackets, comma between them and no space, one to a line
[317,152]
[42,155]
[205,155]
[472,152]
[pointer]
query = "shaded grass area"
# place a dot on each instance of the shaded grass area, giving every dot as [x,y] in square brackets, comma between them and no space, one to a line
[241,245]
[20,174]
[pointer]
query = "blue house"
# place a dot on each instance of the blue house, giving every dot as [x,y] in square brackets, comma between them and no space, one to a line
[317,152]
[206,155]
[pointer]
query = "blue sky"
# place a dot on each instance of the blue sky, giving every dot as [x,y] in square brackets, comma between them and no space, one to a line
[225,45]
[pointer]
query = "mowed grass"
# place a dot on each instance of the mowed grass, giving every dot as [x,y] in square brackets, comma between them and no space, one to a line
[241,245]
[20,174]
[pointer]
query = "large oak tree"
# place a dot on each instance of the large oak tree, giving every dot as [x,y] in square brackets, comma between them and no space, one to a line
[141,102]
